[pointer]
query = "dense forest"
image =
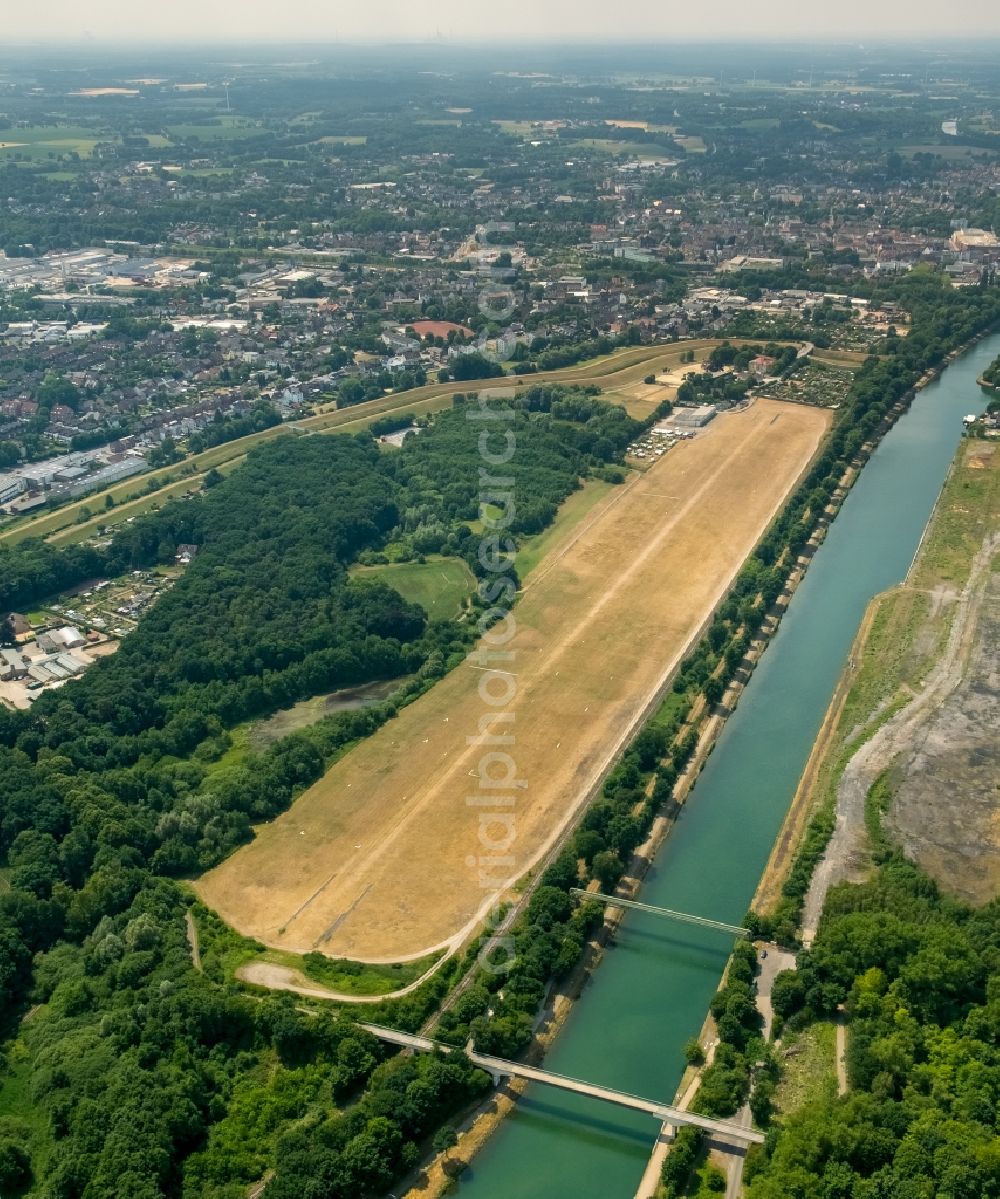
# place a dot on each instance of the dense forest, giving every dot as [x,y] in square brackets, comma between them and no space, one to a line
[135,1071]
[992,374]
[917,974]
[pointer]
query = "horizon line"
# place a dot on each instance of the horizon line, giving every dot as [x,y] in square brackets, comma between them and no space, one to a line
[859,39]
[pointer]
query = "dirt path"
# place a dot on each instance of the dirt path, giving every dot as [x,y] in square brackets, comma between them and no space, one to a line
[283,978]
[846,855]
[192,936]
[259,1188]
[842,1055]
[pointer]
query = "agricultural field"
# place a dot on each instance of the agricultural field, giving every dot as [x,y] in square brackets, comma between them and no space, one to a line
[93,93]
[641,151]
[645,126]
[693,143]
[378,860]
[224,128]
[341,139]
[39,142]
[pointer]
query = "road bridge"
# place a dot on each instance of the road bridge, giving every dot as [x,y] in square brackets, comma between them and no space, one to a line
[667,913]
[498,1067]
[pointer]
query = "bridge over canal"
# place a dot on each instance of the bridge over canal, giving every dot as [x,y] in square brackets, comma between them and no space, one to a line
[498,1067]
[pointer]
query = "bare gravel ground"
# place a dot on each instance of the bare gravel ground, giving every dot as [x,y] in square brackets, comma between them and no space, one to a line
[846,857]
[957,754]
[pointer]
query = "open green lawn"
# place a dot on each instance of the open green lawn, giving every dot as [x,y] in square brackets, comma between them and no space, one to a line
[439,585]
[19,1115]
[224,951]
[671,711]
[809,1067]
[228,128]
[39,142]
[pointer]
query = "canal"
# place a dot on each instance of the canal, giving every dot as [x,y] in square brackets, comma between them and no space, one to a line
[652,991]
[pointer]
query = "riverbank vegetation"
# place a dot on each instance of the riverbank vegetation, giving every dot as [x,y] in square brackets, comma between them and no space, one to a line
[725,1084]
[687,1172]
[910,968]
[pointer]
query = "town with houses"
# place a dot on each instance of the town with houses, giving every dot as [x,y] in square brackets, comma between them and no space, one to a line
[259,265]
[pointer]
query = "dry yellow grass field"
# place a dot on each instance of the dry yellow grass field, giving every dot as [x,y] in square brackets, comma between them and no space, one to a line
[640,399]
[380,859]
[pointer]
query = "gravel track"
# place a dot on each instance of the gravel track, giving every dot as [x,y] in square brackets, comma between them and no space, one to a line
[846,856]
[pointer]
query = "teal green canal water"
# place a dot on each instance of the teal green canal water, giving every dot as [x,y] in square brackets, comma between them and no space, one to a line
[652,991]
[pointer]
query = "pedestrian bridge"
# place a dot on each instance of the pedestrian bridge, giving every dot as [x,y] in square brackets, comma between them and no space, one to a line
[498,1067]
[666,913]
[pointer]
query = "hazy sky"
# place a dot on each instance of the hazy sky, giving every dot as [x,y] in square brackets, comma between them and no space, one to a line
[394,20]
